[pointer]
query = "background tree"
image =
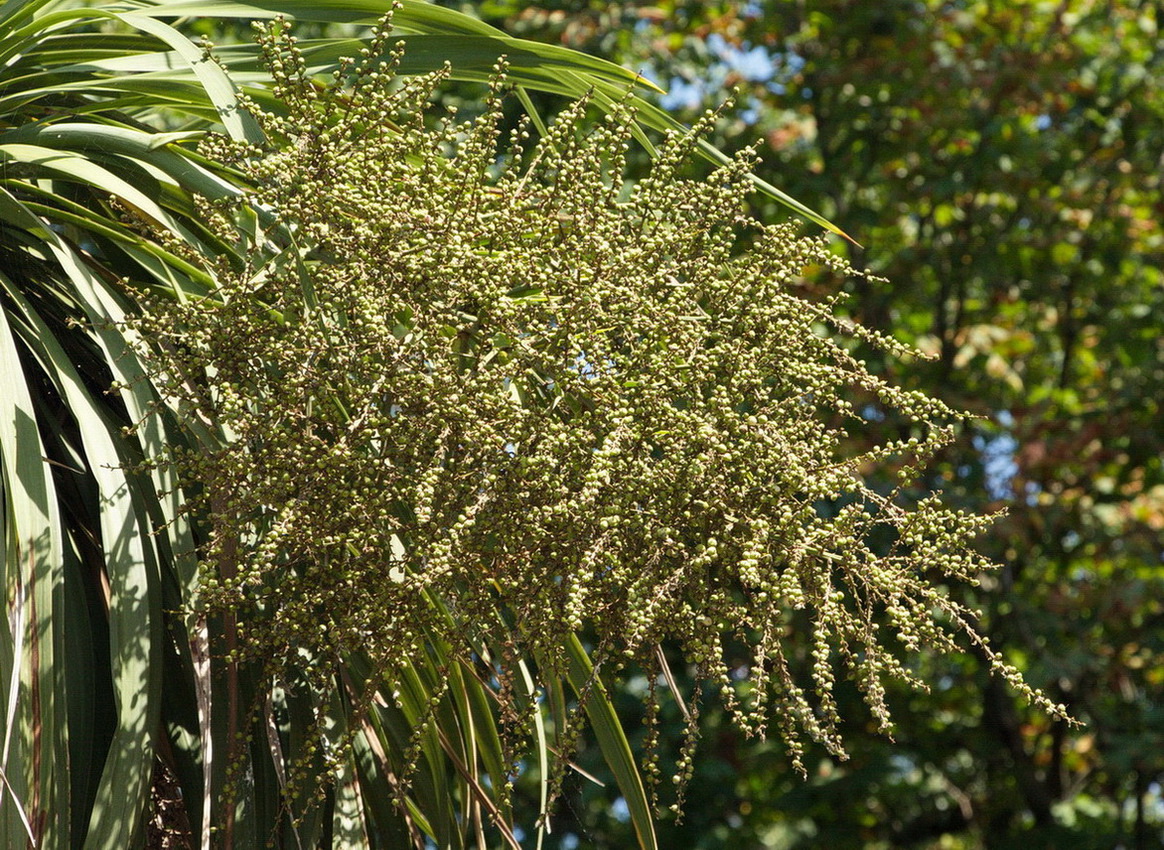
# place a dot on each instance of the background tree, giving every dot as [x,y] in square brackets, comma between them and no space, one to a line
[1001,165]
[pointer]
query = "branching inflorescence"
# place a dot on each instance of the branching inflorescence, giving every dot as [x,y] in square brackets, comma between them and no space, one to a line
[507,386]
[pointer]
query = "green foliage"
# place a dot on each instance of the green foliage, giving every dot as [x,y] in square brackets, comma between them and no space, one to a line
[1001,162]
[511,389]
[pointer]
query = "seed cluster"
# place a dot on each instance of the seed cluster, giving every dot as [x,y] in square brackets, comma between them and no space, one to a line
[552,403]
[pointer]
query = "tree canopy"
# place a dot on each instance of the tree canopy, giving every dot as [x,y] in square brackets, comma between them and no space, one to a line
[1000,164]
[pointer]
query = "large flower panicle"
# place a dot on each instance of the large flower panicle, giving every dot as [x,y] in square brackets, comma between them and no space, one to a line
[512,389]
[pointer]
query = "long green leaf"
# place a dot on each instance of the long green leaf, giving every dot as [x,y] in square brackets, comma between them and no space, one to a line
[154,149]
[214,81]
[135,610]
[82,169]
[612,741]
[30,568]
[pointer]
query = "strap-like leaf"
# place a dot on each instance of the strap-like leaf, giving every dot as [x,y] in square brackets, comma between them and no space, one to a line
[612,740]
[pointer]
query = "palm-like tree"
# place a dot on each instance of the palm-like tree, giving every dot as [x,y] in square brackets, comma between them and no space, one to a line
[106,686]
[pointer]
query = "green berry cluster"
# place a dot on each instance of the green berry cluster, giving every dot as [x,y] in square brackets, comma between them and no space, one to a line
[482,375]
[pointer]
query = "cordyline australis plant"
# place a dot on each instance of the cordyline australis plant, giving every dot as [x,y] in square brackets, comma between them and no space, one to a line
[510,388]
